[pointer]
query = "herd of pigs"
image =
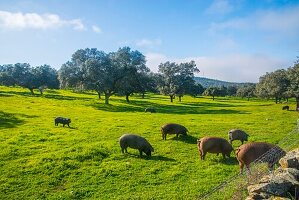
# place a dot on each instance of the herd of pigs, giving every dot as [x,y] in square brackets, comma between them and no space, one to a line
[245,154]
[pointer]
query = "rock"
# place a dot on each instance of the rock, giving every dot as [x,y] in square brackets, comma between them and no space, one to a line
[280,198]
[291,171]
[279,185]
[257,188]
[266,179]
[290,160]
[258,196]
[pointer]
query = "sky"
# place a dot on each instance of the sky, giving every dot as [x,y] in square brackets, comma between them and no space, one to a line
[230,40]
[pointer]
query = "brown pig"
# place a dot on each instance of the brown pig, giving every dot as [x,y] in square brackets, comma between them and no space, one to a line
[265,152]
[213,145]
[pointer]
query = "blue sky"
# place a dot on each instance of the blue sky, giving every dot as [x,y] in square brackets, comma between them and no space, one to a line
[229,40]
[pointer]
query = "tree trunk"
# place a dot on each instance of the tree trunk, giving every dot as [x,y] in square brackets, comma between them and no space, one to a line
[127,98]
[142,95]
[99,94]
[213,98]
[107,95]
[41,90]
[276,100]
[248,98]
[171,98]
[297,101]
[31,90]
[180,98]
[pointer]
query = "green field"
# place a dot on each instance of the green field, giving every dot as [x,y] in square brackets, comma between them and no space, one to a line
[41,161]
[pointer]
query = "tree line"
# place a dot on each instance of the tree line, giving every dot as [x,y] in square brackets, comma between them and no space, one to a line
[124,72]
[281,84]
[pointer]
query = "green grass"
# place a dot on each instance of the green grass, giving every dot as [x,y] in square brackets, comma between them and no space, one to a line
[41,161]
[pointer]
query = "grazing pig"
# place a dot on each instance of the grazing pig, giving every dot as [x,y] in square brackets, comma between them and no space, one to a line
[63,121]
[213,145]
[236,134]
[135,142]
[248,153]
[152,110]
[285,108]
[173,129]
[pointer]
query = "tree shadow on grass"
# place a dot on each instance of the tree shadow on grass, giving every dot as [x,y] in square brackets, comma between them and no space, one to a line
[160,158]
[230,161]
[226,161]
[63,97]
[51,95]
[10,93]
[50,91]
[5,95]
[139,106]
[11,120]
[186,138]
[66,126]
[153,157]
[8,120]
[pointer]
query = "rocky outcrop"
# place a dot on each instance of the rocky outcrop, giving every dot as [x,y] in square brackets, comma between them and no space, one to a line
[291,160]
[282,184]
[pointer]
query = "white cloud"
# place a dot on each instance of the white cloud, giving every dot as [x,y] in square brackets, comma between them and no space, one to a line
[234,67]
[219,7]
[286,20]
[237,23]
[96,29]
[281,21]
[19,21]
[148,43]
[154,59]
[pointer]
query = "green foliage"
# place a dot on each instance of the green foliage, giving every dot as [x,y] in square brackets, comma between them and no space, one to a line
[246,91]
[207,82]
[177,79]
[39,160]
[232,90]
[22,74]
[273,84]
[115,72]
[280,84]
[212,91]
[293,87]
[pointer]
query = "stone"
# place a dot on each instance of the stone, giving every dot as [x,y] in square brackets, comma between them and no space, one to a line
[290,160]
[291,171]
[280,198]
[279,185]
[258,196]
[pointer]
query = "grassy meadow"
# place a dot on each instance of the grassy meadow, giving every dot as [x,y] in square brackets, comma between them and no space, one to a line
[39,160]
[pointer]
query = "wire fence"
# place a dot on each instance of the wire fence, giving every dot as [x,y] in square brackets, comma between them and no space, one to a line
[235,187]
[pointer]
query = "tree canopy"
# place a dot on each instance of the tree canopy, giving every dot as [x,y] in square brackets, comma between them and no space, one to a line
[212,91]
[24,75]
[108,73]
[273,84]
[247,91]
[280,84]
[177,79]
[293,87]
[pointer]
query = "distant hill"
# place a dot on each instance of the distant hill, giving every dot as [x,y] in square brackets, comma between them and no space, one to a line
[207,82]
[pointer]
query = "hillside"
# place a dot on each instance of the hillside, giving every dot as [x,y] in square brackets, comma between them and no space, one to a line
[207,82]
